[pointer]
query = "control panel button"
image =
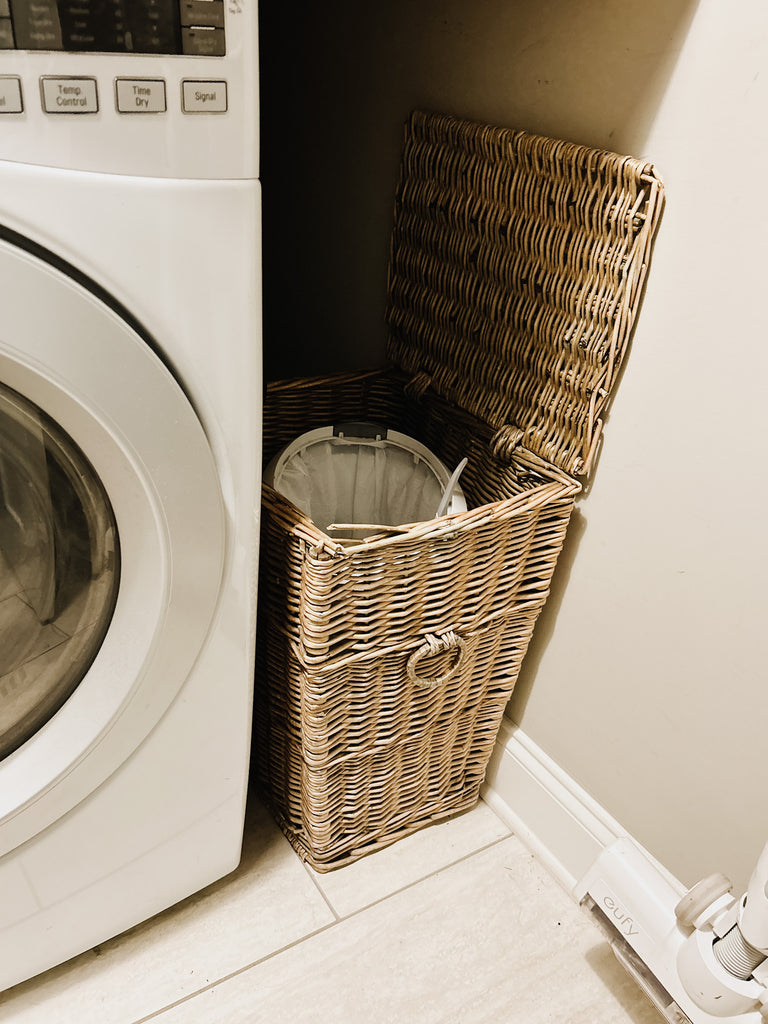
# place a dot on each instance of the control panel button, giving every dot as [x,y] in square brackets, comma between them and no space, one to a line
[10,96]
[6,34]
[70,95]
[140,95]
[203,97]
[202,12]
[201,41]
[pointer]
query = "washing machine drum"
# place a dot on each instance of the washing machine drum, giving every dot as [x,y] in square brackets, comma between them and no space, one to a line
[363,474]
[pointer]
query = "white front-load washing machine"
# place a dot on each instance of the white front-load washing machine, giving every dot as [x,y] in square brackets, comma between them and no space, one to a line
[130,397]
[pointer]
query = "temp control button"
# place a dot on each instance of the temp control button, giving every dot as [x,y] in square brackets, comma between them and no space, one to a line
[10,96]
[70,95]
[140,95]
[203,97]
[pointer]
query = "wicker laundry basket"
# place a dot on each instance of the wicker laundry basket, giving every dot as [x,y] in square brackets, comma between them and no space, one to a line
[384,665]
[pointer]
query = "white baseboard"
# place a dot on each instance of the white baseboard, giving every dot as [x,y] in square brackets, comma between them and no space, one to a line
[549,812]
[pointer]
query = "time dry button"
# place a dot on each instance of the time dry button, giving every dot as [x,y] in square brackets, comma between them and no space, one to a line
[140,95]
[10,96]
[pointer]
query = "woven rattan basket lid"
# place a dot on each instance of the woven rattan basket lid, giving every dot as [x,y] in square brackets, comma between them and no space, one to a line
[515,277]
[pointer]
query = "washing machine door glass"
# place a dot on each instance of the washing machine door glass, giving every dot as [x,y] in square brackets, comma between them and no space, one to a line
[59,567]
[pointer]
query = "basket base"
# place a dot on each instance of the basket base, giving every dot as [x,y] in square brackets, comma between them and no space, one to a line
[332,861]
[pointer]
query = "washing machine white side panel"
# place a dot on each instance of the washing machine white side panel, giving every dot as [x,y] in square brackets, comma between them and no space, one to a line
[67,352]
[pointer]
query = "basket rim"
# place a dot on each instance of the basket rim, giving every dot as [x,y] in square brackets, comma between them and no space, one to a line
[560,486]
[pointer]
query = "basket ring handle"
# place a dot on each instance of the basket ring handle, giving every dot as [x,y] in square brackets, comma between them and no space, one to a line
[435,645]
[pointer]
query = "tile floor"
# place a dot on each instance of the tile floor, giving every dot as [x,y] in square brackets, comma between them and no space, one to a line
[457,924]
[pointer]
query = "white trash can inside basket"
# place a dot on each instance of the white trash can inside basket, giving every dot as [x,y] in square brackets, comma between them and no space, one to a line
[363,473]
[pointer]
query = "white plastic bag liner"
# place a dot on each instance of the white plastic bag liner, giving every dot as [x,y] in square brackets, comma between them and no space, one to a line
[362,473]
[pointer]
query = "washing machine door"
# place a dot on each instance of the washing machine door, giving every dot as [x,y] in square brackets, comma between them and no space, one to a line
[112,540]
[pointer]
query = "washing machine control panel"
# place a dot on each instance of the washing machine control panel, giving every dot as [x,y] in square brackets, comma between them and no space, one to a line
[116,26]
[158,88]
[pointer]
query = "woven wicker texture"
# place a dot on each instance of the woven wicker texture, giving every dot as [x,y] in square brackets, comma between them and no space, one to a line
[384,665]
[517,262]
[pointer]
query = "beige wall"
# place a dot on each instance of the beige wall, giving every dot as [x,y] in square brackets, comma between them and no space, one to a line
[646,679]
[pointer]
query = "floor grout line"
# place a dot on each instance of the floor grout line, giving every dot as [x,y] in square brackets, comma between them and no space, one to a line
[319,931]
[424,878]
[235,974]
[319,888]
